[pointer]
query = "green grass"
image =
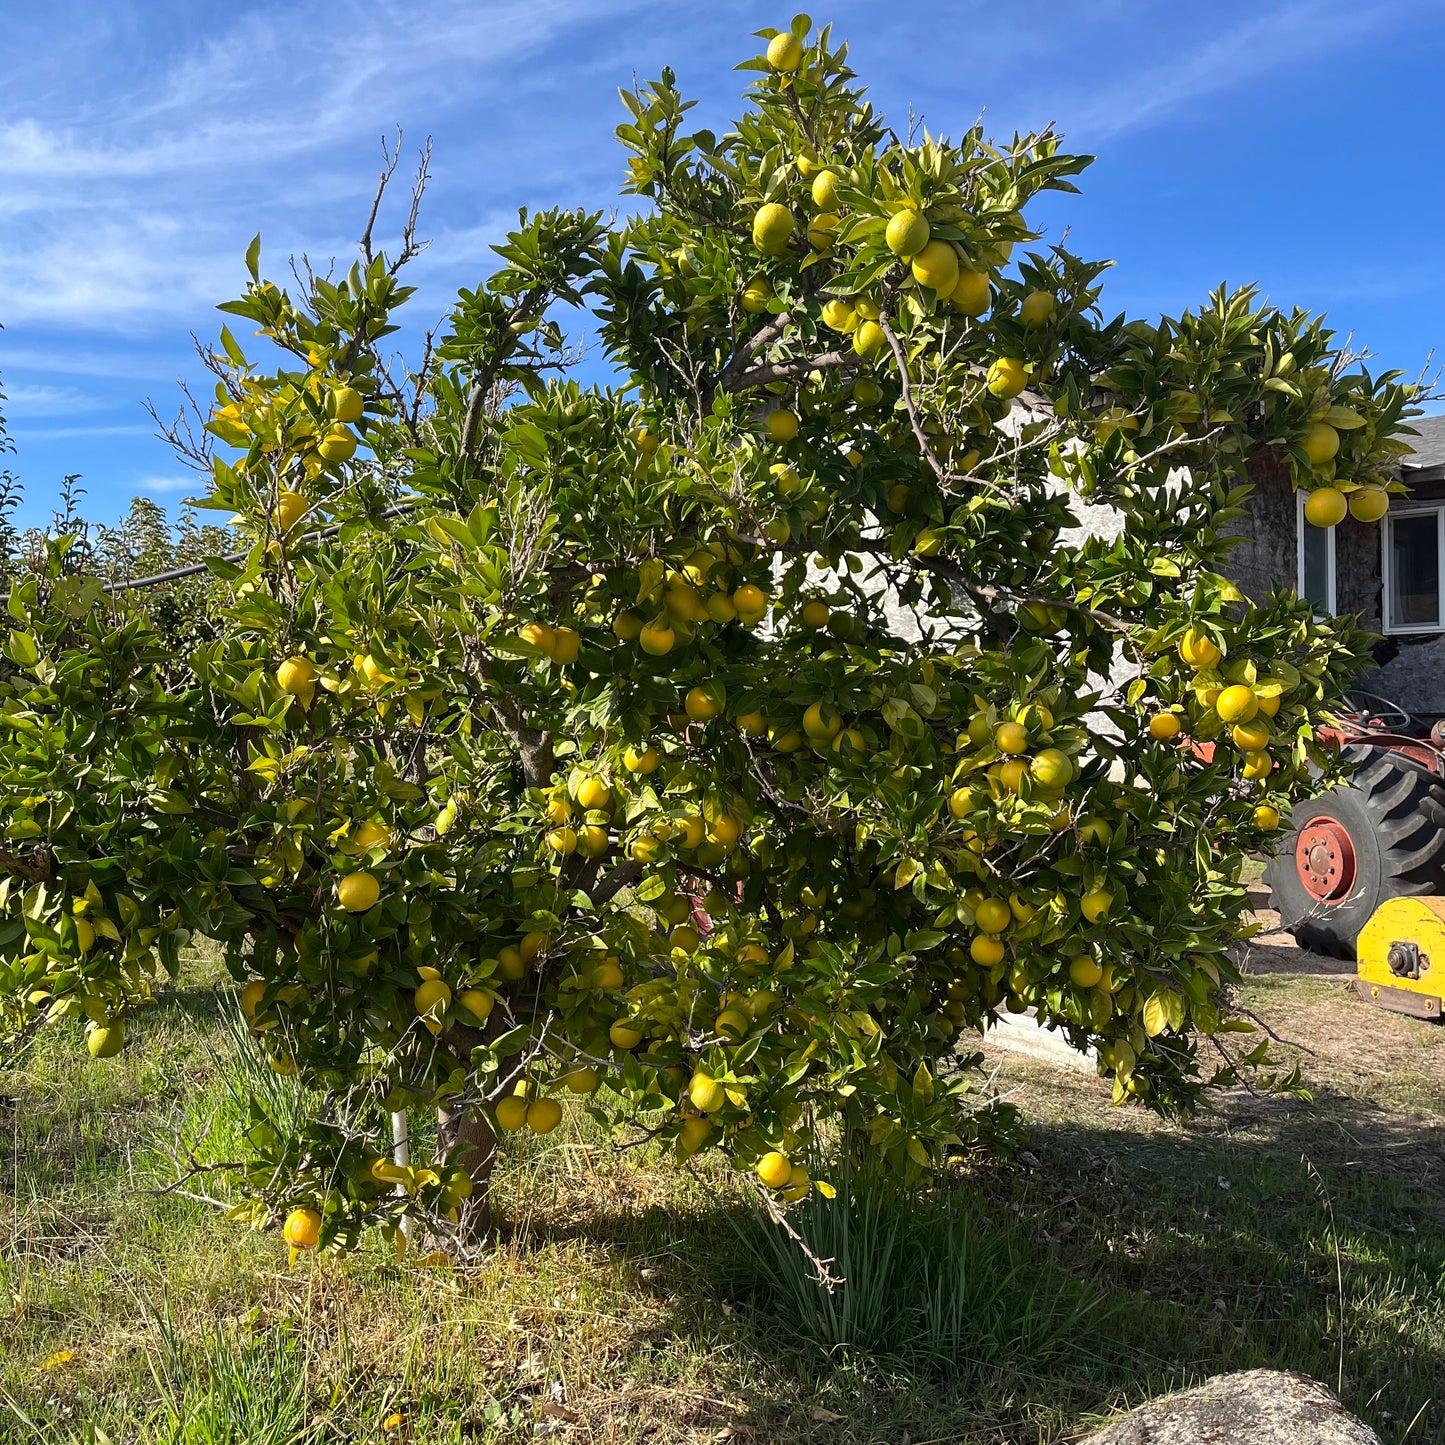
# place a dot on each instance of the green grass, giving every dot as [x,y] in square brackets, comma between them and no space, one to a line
[626,1301]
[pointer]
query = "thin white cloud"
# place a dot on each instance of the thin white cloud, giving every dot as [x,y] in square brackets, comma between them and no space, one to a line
[70,360]
[139,218]
[148,486]
[1281,36]
[43,400]
[23,432]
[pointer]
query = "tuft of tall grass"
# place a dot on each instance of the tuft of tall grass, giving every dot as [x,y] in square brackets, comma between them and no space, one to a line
[927,1284]
[230,1387]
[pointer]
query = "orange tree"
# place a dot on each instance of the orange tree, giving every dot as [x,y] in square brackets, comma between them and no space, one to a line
[717,754]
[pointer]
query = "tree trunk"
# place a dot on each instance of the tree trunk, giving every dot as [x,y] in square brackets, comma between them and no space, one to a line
[468,1142]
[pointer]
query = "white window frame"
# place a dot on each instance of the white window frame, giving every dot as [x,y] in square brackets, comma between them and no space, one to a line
[1387,552]
[1299,551]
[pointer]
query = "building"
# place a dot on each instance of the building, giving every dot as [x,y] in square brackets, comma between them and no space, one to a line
[1391,573]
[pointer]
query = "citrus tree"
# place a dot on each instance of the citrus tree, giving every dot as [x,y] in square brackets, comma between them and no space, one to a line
[718,753]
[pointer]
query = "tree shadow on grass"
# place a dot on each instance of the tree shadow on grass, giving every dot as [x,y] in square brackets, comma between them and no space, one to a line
[1247,1242]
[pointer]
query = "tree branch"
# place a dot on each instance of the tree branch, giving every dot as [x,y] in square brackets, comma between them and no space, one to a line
[781,370]
[905,381]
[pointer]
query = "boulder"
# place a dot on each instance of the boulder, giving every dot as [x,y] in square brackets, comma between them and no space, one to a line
[1263,1407]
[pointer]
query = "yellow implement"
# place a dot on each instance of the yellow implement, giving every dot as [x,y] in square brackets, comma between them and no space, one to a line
[1401,957]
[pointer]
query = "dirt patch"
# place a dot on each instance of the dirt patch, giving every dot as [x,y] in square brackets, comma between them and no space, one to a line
[1272,950]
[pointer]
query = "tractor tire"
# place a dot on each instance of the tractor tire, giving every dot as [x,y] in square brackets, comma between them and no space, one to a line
[1382,835]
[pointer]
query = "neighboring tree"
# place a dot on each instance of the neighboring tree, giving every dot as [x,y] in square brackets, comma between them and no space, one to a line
[722,753]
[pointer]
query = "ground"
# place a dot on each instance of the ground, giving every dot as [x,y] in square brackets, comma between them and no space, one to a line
[627,1302]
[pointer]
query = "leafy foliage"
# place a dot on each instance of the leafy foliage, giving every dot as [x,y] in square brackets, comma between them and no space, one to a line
[720,751]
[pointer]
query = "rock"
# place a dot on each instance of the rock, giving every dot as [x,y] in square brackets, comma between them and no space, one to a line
[1263,1407]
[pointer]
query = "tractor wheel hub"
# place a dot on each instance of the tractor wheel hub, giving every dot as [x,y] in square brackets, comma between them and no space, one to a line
[1325,858]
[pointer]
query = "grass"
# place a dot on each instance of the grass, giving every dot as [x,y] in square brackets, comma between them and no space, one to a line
[627,1302]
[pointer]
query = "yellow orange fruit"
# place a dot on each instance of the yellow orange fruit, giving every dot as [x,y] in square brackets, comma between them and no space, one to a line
[1321,443]
[337,446]
[369,835]
[302,1229]
[868,340]
[774,1169]
[1096,903]
[785,52]
[624,1036]
[296,676]
[936,266]
[477,1002]
[706,1094]
[1163,726]
[291,507]
[782,425]
[1198,650]
[357,892]
[1251,737]
[825,190]
[1326,507]
[750,603]
[647,760]
[432,999]
[1052,768]
[821,722]
[536,634]
[970,293]
[593,792]
[1038,307]
[347,404]
[1011,737]
[986,950]
[839,316]
[105,1040]
[704,703]
[906,234]
[821,229]
[693,1134]
[1007,377]
[1369,504]
[543,1115]
[1266,816]
[565,642]
[657,639]
[756,295]
[1084,971]
[993,915]
[511,1113]
[1237,703]
[772,228]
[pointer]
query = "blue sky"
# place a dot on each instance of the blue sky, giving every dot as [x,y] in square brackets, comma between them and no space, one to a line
[143,142]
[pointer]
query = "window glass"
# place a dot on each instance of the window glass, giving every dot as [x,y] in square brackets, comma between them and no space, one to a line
[1415,570]
[1315,549]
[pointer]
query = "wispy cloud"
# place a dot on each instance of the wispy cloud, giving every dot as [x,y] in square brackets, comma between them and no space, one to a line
[43,400]
[24,432]
[1277,37]
[141,217]
[163,486]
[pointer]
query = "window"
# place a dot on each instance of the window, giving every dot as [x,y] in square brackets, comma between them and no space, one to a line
[1316,561]
[1414,568]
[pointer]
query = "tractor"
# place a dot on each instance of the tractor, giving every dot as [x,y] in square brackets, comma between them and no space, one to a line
[1362,873]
